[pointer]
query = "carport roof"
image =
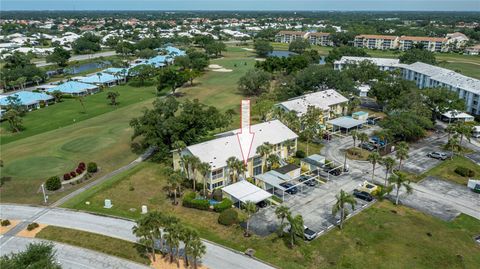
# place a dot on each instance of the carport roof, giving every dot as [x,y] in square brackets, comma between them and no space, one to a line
[346,122]
[314,159]
[245,191]
[274,178]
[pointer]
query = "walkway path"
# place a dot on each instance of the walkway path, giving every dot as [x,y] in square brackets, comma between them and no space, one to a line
[70,256]
[216,256]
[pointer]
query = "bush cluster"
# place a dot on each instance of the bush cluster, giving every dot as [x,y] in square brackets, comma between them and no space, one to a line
[92,167]
[464,171]
[5,222]
[223,205]
[228,217]
[53,183]
[73,174]
[67,176]
[32,226]
[190,201]
[217,195]
[300,154]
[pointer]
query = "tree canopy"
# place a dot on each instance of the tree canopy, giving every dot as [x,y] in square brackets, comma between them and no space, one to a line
[418,55]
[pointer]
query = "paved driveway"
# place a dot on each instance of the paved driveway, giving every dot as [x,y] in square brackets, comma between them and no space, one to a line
[315,205]
[72,257]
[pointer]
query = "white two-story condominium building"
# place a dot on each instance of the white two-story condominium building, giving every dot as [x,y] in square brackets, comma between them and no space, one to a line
[381,42]
[289,36]
[430,76]
[384,64]
[435,44]
[320,39]
[216,152]
[329,101]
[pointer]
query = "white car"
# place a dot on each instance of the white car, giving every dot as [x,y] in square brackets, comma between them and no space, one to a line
[309,234]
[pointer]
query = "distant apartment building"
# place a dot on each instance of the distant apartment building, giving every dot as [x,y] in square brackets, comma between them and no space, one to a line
[457,40]
[289,36]
[434,44]
[429,76]
[473,50]
[381,42]
[384,64]
[321,39]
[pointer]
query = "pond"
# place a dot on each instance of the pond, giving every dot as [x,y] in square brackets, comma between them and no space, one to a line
[281,53]
[86,67]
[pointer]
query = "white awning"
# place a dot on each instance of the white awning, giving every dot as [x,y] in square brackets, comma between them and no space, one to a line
[245,191]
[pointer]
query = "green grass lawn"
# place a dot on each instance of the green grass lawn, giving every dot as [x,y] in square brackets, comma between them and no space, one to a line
[383,236]
[97,242]
[446,170]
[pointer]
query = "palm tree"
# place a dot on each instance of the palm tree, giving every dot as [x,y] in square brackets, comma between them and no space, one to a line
[81,99]
[289,144]
[282,212]
[342,199]
[241,168]
[400,180]
[308,134]
[250,209]
[196,249]
[402,153]
[264,150]
[354,134]
[37,79]
[187,235]
[172,238]
[99,75]
[389,163]
[450,130]
[112,96]
[148,228]
[464,131]
[194,163]
[374,158]
[204,169]
[232,164]
[363,137]
[179,145]
[273,160]
[57,95]
[174,184]
[453,142]
[296,228]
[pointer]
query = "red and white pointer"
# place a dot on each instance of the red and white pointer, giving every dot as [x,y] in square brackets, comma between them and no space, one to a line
[245,136]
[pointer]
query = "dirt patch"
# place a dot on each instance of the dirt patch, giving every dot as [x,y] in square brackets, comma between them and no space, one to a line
[219,68]
[164,263]
[32,233]
[4,229]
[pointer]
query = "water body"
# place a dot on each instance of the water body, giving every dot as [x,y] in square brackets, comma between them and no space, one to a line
[281,53]
[86,67]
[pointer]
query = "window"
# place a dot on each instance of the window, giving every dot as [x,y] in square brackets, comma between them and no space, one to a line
[214,185]
[257,166]
[216,174]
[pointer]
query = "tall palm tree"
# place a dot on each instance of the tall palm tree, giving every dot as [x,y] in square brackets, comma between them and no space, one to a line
[196,249]
[343,198]
[250,209]
[264,150]
[273,160]
[282,212]
[363,137]
[402,153]
[452,143]
[194,163]
[147,229]
[187,235]
[308,134]
[354,135]
[174,183]
[389,163]
[241,168]
[204,169]
[289,144]
[374,158]
[232,164]
[296,228]
[400,180]
[99,75]
[172,238]
[179,145]
[463,130]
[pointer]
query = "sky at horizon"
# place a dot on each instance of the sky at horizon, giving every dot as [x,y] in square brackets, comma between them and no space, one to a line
[313,5]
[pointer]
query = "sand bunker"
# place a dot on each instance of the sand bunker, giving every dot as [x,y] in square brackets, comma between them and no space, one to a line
[248,49]
[219,68]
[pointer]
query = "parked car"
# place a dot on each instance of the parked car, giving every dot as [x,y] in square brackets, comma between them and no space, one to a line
[376,140]
[262,204]
[336,172]
[367,146]
[438,155]
[306,181]
[291,189]
[363,195]
[327,136]
[309,234]
[368,187]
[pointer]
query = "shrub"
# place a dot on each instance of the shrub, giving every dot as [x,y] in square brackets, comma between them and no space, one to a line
[5,222]
[79,171]
[53,183]
[81,165]
[464,171]
[32,226]
[73,174]
[92,167]
[222,206]
[300,154]
[228,217]
[217,195]
[190,201]
[67,176]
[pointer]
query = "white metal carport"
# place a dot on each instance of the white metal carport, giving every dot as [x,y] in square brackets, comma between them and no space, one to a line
[244,191]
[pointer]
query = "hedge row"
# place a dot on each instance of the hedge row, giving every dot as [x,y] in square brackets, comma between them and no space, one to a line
[190,201]
[464,171]
[223,205]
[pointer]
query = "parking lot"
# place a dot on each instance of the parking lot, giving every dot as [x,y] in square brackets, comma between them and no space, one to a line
[418,161]
[313,203]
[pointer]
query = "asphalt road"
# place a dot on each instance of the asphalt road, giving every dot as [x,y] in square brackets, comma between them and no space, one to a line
[70,256]
[216,257]
[80,57]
